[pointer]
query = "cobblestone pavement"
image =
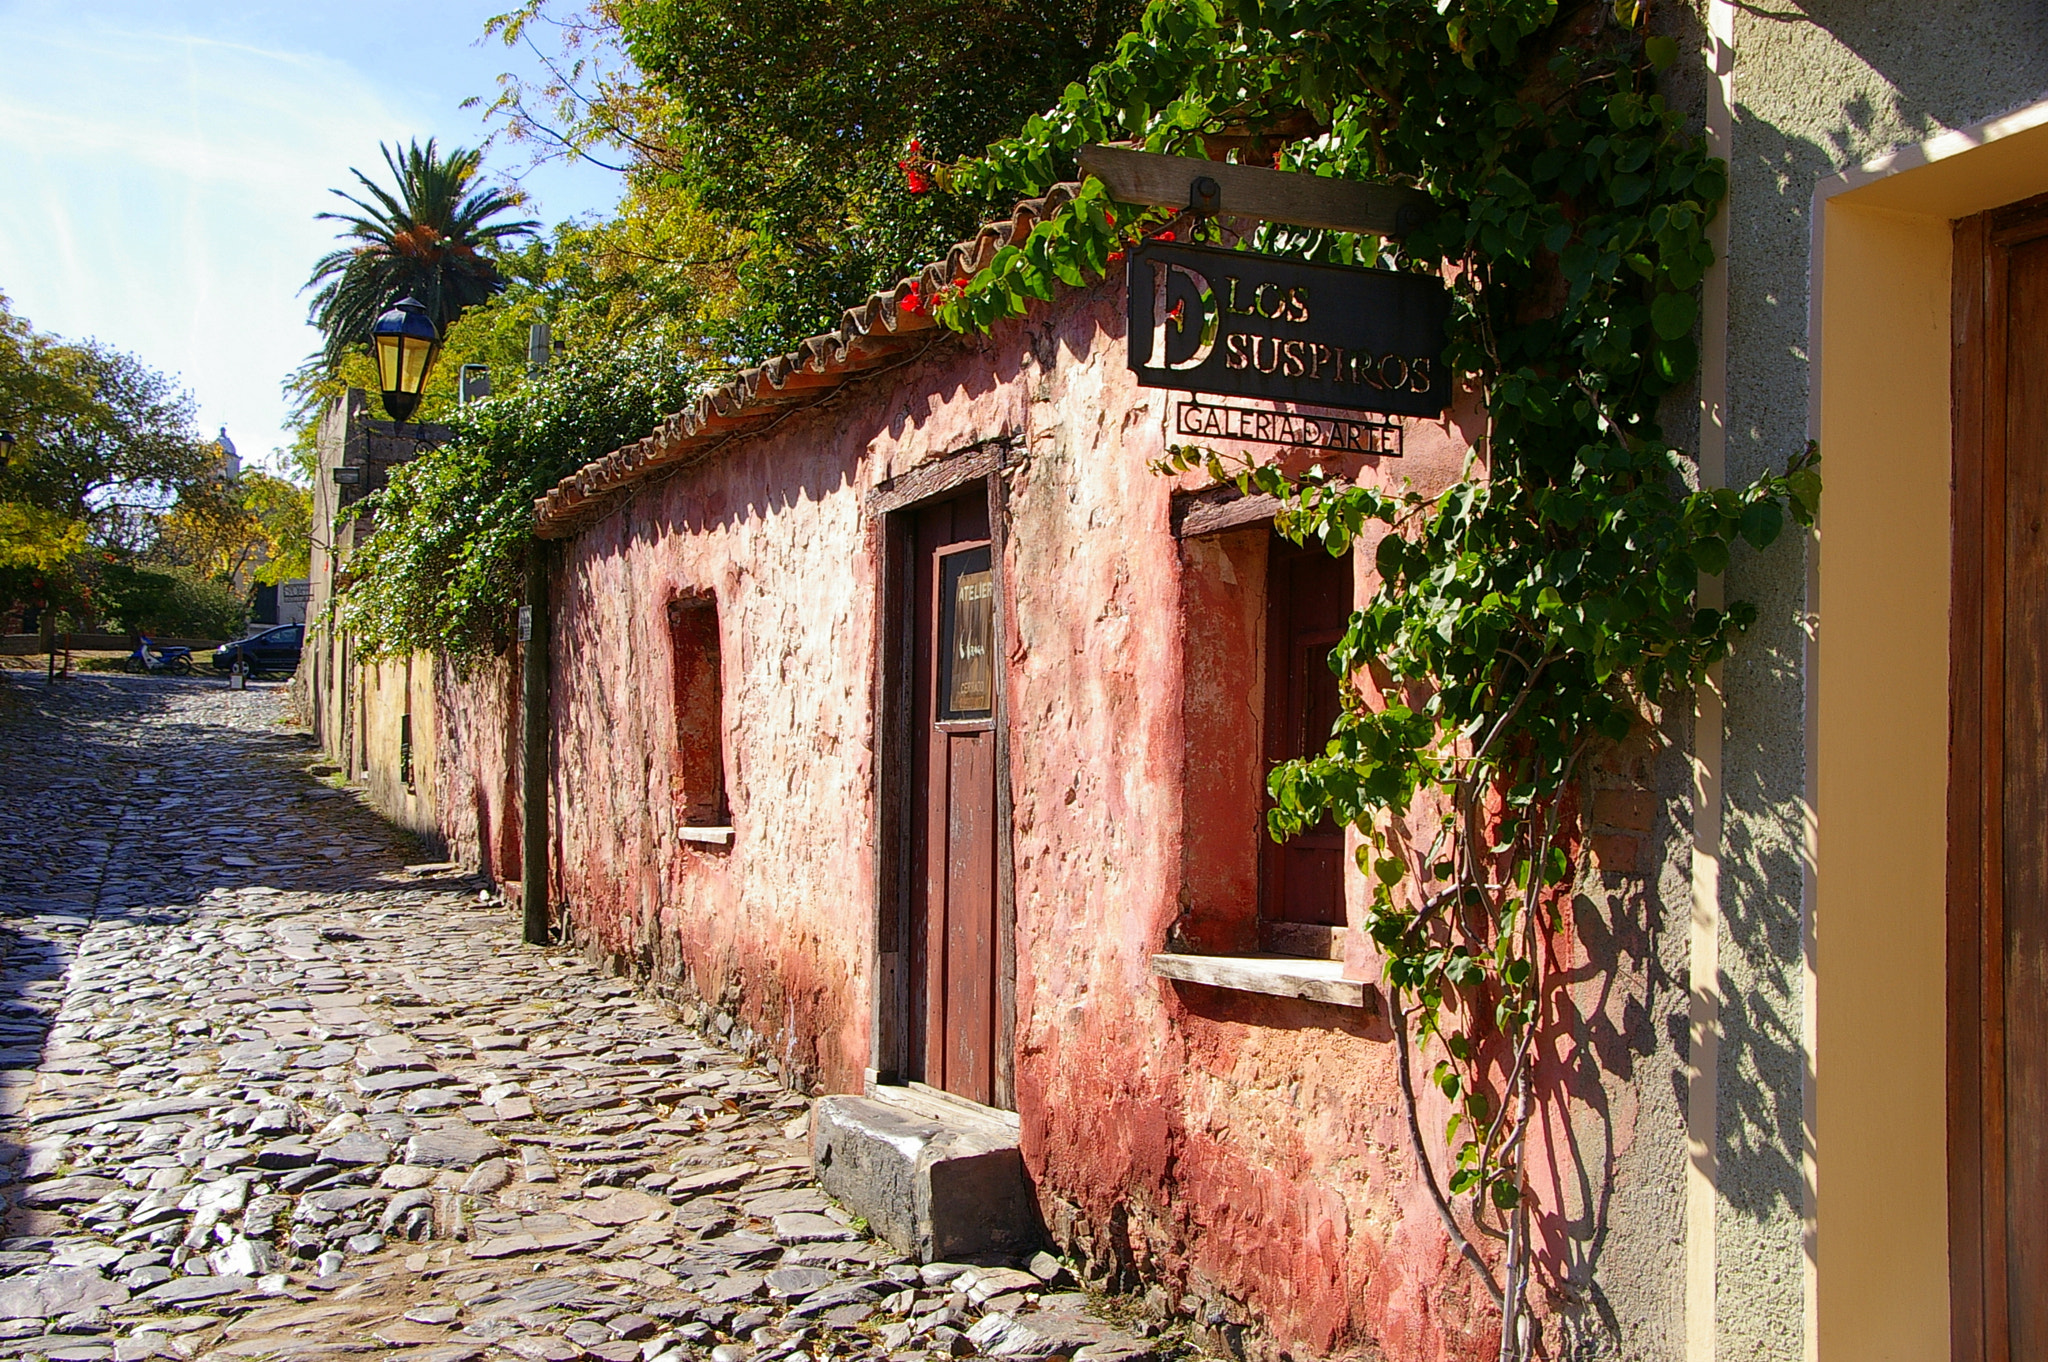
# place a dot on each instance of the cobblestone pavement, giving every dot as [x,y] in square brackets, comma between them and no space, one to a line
[265,1091]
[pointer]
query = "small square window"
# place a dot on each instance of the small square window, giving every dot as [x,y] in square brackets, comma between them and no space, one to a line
[698,780]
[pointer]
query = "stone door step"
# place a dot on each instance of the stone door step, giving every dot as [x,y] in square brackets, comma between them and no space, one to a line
[941,1179]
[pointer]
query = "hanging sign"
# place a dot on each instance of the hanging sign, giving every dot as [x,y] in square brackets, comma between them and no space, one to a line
[1208,320]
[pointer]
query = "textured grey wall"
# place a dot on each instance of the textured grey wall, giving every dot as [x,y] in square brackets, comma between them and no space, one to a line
[1818,86]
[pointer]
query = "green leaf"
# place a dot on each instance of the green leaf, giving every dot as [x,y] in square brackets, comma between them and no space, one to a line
[1675,360]
[1673,314]
[1661,50]
[1629,189]
[1761,522]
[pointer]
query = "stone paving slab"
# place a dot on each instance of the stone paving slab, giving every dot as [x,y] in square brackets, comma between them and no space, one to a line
[266,1092]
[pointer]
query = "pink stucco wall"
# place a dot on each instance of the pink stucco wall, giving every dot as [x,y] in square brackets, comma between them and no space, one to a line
[1244,1149]
[477,762]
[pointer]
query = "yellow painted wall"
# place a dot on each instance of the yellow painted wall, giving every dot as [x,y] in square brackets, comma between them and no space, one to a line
[1881,687]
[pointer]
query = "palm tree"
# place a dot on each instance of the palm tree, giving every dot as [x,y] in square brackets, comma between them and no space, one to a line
[427,241]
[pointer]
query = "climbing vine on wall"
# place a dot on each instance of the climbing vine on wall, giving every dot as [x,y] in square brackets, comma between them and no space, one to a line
[1546,603]
[444,568]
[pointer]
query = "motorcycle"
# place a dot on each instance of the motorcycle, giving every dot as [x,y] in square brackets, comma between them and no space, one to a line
[147,657]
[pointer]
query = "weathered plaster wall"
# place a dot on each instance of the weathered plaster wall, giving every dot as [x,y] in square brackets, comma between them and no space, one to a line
[768,928]
[478,763]
[774,931]
[1833,85]
[1245,1152]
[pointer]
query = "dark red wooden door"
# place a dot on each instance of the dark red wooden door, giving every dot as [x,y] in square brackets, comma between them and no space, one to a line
[953,882]
[1308,608]
[1998,810]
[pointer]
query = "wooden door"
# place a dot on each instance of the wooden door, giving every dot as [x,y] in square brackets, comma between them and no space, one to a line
[1998,791]
[954,929]
[1308,608]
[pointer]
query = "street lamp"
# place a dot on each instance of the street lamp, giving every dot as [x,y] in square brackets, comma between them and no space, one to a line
[6,448]
[406,344]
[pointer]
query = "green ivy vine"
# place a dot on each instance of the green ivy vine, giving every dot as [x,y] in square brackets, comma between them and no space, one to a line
[444,568]
[1547,603]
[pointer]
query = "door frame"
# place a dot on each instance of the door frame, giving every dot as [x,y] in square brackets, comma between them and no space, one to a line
[892,509]
[1877,680]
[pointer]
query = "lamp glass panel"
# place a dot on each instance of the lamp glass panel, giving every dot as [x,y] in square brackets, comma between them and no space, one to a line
[419,357]
[388,362]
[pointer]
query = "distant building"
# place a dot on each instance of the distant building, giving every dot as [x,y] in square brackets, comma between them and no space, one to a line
[279,603]
[231,462]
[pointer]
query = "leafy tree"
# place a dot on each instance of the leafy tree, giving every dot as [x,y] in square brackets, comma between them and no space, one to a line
[106,447]
[103,438]
[284,513]
[431,238]
[780,160]
[37,541]
[255,527]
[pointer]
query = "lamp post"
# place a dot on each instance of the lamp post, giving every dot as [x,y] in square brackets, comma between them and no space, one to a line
[406,343]
[6,448]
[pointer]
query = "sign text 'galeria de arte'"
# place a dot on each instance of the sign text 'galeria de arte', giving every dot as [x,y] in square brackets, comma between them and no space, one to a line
[1208,320]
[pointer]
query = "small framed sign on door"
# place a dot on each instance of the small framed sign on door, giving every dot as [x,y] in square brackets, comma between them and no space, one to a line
[967,604]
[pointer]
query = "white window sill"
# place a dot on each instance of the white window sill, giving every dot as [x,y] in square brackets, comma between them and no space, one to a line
[720,837]
[1285,976]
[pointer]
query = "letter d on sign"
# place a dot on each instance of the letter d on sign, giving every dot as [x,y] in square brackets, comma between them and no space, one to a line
[1209,321]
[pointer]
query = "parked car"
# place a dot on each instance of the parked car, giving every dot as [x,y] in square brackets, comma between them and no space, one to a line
[273,650]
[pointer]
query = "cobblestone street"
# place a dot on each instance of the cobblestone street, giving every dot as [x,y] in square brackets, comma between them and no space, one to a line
[271,1087]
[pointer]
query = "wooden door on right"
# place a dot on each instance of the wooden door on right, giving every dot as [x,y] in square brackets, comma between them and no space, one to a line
[1998,790]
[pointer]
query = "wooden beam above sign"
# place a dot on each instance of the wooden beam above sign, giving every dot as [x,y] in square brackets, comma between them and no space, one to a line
[1254,192]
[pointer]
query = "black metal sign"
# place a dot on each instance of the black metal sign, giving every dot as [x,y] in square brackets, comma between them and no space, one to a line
[1215,321]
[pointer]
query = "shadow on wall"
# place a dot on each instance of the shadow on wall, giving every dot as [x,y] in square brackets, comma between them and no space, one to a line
[1929,69]
[1904,72]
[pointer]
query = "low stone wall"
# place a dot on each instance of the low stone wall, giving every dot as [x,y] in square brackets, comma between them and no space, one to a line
[27,645]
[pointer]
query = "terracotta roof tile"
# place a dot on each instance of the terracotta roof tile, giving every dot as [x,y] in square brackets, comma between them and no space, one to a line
[867,337]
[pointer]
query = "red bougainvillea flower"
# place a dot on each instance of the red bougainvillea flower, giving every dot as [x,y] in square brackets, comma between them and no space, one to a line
[914,165]
[1115,256]
[1166,235]
[911,302]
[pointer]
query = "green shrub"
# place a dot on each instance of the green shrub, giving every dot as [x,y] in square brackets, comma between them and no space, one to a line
[171,603]
[445,566]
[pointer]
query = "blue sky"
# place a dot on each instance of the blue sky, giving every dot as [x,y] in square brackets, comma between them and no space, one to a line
[161,163]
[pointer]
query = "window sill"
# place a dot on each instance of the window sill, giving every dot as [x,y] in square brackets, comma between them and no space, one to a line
[718,837]
[1285,976]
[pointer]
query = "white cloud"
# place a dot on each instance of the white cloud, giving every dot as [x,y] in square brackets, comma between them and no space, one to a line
[158,180]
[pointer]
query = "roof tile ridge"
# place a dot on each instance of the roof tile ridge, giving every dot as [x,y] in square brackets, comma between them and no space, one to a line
[815,366]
